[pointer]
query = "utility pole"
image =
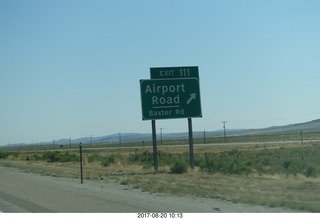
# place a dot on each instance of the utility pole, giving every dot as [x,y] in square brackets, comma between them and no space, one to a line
[204,136]
[224,131]
[120,138]
[91,140]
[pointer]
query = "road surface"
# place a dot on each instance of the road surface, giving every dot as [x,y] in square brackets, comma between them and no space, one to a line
[27,192]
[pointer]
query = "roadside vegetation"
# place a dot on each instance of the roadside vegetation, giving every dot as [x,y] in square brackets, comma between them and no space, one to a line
[281,161]
[278,175]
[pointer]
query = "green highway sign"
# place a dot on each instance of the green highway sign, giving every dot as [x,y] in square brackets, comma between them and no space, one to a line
[175,72]
[170,98]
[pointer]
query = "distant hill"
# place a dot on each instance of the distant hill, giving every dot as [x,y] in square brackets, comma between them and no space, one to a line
[307,127]
[114,138]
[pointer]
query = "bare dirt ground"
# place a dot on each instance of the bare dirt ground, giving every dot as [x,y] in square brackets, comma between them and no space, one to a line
[29,192]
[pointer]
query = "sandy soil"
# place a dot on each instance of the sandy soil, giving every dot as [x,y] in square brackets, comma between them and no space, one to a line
[27,192]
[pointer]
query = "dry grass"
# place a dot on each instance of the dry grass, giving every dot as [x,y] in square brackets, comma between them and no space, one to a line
[294,192]
[298,192]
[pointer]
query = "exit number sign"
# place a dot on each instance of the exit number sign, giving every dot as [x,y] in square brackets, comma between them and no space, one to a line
[175,72]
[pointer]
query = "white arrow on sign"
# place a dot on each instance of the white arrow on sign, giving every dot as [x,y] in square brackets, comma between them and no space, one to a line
[192,97]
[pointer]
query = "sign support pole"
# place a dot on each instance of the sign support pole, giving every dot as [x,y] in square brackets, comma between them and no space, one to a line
[191,143]
[154,140]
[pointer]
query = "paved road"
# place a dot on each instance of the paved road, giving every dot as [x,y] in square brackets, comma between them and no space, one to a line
[26,192]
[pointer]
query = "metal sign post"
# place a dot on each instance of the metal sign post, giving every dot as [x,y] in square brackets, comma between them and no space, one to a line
[154,140]
[191,143]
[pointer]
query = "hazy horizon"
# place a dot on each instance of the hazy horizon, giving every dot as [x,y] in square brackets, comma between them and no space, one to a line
[72,68]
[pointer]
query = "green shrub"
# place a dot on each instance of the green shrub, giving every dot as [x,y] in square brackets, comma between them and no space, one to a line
[239,168]
[94,157]
[179,167]
[107,160]
[310,171]
[51,156]
[145,158]
[69,158]
[36,157]
[4,155]
[56,156]
[286,164]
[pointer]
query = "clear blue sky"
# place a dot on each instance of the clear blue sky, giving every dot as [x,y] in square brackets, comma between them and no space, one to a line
[71,68]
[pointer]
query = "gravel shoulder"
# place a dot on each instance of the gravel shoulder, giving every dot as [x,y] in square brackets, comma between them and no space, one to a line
[28,192]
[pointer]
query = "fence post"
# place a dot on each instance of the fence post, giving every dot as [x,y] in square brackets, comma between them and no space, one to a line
[80,146]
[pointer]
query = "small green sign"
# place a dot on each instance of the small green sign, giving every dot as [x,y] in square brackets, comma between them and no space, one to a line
[174,72]
[170,98]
